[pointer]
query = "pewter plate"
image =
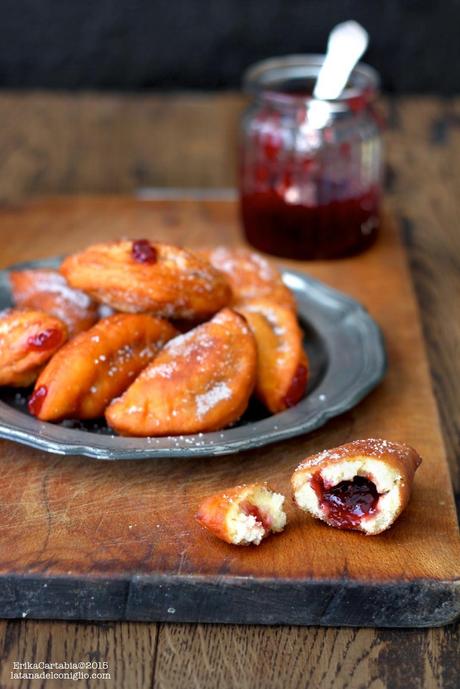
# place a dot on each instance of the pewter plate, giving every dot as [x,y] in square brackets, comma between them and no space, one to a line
[347,360]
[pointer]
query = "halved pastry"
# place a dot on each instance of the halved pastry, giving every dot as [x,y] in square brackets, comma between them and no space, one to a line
[136,276]
[243,515]
[28,338]
[97,365]
[282,369]
[251,276]
[47,290]
[200,381]
[363,486]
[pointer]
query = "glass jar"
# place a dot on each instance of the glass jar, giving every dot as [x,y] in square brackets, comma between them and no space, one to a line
[310,170]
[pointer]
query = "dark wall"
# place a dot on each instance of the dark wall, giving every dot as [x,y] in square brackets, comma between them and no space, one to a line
[135,44]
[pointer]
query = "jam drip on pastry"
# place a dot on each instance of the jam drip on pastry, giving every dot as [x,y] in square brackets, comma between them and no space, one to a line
[143,276]
[46,339]
[28,339]
[297,387]
[36,400]
[347,502]
[143,251]
[97,365]
[243,515]
[363,486]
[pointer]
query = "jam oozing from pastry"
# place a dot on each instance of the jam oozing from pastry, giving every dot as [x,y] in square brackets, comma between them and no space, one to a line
[46,339]
[36,400]
[348,502]
[297,387]
[260,515]
[143,252]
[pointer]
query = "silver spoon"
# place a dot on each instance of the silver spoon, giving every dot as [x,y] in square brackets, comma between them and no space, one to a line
[346,44]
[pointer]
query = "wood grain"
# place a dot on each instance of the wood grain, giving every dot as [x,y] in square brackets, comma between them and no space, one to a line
[117,540]
[127,648]
[35,137]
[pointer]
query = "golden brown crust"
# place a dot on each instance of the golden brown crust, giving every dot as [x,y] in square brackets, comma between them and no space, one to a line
[400,456]
[28,338]
[251,275]
[171,282]
[213,511]
[47,290]
[390,466]
[282,369]
[97,365]
[200,382]
[220,514]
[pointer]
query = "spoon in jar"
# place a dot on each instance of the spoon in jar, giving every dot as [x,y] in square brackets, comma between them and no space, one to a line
[346,44]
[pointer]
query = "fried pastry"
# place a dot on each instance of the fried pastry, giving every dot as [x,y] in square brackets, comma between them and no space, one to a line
[282,368]
[251,276]
[137,276]
[48,291]
[28,338]
[97,365]
[243,515]
[199,382]
[363,486]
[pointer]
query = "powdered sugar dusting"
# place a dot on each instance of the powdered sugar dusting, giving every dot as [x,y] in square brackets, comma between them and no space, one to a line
[208,400]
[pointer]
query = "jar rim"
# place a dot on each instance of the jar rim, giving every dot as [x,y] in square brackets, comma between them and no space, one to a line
[261,78]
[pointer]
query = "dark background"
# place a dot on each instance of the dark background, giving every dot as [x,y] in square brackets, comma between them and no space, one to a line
[203,44]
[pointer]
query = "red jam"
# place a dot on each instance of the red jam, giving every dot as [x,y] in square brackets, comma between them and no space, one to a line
[143,252]
[310,171]
[260,516]
[44,340]
[36,400]
[332,229]
[348,502]
[297,387]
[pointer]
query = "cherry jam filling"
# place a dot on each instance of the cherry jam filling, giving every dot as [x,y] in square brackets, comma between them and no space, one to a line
[330,228]
[143,252]
[44,340]
[297,387]
[260,515]
[348,502]
[36,400]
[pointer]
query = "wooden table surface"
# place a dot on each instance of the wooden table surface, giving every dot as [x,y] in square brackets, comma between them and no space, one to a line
[112,143]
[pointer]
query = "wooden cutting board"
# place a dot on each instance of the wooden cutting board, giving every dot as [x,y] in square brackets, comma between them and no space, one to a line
[93,540]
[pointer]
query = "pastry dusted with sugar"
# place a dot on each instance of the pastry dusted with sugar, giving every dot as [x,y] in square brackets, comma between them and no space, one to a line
[282,365]
[28,339]
[243,515]
[47,290]
[97,365]
[137,276]
[199,382]
[251,275]
[364,485]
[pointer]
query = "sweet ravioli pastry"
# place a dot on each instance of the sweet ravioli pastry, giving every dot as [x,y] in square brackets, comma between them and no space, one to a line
[47,290]
[243,515]
[28,339]
[282,368]
[200,381]
[97,365]
[138,276]
[364,485]
[250,275]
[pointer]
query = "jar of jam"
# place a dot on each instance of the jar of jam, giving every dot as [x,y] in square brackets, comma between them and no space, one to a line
[310,170]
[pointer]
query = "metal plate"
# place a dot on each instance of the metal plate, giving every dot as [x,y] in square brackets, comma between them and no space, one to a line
[347,360]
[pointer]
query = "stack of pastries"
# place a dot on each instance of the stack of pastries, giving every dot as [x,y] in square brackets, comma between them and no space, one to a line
[158,339]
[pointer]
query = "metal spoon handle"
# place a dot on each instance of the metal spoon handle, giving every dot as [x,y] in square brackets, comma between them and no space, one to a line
[347,43]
